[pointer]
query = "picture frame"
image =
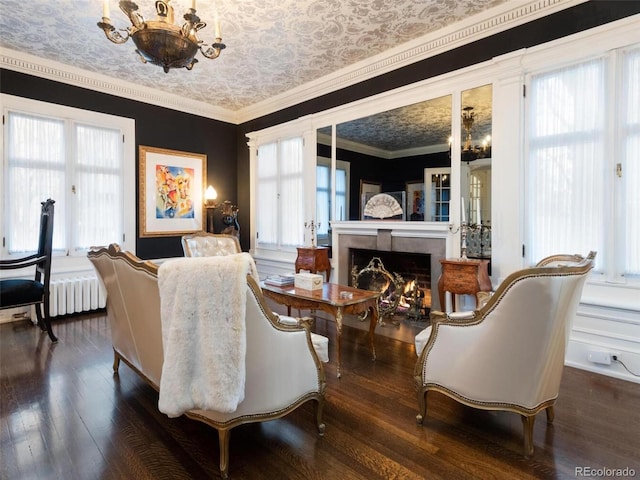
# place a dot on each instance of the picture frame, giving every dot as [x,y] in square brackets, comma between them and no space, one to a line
[171,191]
[416,200]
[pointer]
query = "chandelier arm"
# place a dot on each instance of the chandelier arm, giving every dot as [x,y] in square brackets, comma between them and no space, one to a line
[111,32]
[130,9]
[214,50]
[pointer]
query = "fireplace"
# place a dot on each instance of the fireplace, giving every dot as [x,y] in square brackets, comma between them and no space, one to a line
[428,239]
[410,266]
[411,295]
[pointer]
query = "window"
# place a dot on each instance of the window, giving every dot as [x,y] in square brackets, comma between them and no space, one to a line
[323,194]
[77,158]
[438,194]
[583,168]
[280,194]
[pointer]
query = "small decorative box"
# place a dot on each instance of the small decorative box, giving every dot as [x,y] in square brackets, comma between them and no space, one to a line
[308,281]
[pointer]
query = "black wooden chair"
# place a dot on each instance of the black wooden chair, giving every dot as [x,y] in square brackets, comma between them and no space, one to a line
[19,292]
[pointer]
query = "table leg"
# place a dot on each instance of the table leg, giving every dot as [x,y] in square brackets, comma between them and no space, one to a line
[441,294]
[372,328]
[339,337]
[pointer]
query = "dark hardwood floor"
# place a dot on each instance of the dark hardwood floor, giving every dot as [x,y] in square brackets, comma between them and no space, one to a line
[63,415]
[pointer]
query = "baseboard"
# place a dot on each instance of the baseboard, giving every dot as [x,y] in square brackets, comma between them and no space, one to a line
[613,331]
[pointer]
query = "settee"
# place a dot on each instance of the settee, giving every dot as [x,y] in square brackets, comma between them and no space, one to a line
[282,368]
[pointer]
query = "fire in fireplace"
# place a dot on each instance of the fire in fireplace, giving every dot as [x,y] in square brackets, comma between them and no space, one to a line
[412,297]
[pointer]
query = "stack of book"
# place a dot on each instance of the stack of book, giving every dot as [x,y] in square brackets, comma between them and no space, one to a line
[280,280]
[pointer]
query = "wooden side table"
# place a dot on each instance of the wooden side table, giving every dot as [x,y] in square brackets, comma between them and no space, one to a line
[314,259]
[462,277]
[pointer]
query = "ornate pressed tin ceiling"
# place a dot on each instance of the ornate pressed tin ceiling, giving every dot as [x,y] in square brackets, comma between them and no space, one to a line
[272,45]
[413,129]
[278,51]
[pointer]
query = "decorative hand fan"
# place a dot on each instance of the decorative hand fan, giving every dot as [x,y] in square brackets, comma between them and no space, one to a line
[381,206]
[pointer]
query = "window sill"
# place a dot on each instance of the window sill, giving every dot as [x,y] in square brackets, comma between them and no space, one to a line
[612,295]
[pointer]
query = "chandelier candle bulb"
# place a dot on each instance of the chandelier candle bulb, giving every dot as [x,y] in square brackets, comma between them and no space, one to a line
[464,215]
[105,9]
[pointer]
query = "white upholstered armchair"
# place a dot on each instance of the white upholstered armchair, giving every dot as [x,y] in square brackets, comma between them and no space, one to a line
[209,245]
[509,354]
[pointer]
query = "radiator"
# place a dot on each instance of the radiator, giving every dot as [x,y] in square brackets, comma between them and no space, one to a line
[75,295]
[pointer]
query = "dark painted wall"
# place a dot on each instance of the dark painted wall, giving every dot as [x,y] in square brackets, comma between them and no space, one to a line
[572,20]
[155,126]
[376,169]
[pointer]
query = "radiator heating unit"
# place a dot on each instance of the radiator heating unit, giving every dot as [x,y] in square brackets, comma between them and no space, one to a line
[75,295]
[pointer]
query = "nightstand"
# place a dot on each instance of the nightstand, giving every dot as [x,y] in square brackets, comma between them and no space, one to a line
[314,259]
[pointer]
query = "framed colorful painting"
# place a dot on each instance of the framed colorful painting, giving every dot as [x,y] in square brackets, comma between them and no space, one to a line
[415,200]
[171,192]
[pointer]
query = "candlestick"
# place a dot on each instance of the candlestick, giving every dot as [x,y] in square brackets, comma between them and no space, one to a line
[463,246]
[312,226]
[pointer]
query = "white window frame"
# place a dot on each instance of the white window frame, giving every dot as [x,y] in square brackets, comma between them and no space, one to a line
[334,214]
[70,258]
[297,128]
[611,262]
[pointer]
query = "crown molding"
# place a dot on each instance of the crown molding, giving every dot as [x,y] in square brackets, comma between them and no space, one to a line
[59,72]
[501,18]
[381,153]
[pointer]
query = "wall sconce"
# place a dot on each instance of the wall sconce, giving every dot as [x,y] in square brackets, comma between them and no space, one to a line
[210,204]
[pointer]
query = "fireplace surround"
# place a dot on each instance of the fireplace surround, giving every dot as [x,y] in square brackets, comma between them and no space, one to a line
[390,236]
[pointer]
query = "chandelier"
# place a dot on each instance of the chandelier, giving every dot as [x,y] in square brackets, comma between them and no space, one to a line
[469,151]
[160,41]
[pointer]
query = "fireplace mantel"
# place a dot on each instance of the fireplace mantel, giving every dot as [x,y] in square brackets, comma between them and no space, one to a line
[391,236]
[398,228]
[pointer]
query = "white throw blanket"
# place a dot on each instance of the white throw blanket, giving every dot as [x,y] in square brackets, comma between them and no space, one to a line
[203,304]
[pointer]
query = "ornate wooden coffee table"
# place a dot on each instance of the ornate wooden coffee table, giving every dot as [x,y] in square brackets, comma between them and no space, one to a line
[334,299]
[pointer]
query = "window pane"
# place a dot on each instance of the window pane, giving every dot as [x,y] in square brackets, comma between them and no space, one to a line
[323,200]
[566,191]
[631,160]
[291,192]
[98,187]
[267,194]
[341,194]
[36,172]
